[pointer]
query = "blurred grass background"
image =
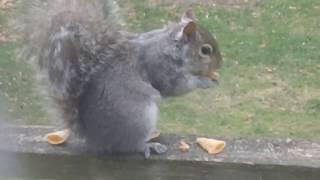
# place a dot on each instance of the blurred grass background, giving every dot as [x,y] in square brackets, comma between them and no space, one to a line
[269,84]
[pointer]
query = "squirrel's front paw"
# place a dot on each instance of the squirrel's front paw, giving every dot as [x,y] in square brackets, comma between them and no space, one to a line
[154,147]
[205,83]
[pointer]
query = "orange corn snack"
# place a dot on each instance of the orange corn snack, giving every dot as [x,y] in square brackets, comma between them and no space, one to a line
[212,146]
[58,137]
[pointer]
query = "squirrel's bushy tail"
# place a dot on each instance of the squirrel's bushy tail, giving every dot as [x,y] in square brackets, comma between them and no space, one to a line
[35,16]
[58,39]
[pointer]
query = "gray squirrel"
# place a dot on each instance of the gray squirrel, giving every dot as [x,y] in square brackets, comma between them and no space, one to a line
[107,82]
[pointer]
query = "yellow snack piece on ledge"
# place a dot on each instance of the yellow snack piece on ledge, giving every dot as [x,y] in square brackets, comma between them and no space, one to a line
[58,137]
[183,146]
[212,146]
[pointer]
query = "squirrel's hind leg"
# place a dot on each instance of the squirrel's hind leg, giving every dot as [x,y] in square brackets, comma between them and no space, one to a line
[151,115]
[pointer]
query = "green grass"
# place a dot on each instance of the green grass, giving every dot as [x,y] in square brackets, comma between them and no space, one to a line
[16,89]
[18,100]
[269,85]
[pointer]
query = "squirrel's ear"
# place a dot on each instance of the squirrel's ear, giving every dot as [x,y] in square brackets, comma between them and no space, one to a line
[188,16]
[187,32]
[189,26]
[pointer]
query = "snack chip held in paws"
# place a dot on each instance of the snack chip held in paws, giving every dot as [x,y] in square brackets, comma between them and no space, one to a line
[213,75]
[212,146]
[58,137]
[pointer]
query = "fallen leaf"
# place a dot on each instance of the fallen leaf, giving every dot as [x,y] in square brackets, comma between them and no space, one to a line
[262,45]
[268,69]
[6,4]
[305,72]
[5,37]
[292,7]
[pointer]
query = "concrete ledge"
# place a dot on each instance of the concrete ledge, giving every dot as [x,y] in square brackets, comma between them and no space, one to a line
[24,153]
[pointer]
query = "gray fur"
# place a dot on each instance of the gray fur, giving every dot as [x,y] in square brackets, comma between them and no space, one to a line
[107,82]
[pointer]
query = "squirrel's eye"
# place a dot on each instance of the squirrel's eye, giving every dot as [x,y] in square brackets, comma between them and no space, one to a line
[206,50]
